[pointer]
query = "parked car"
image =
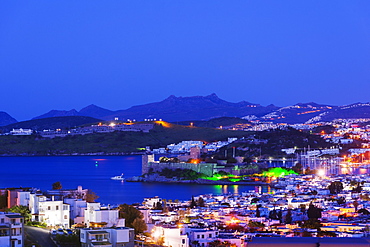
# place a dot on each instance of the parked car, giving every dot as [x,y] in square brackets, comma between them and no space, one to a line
[53,232]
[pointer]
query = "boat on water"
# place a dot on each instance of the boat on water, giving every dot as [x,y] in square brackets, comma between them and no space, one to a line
[120,177]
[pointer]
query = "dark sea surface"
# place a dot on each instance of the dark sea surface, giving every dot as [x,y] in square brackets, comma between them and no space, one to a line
[94,172]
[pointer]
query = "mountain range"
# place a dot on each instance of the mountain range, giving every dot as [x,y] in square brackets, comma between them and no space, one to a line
[177,109]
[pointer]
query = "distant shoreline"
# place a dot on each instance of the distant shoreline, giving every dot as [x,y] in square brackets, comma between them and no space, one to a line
[73,155]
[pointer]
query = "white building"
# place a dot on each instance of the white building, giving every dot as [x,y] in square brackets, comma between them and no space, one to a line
[152,202]
[53,213]
[172,235]
[21,132]
[95,214]
[202,236]
[77,209]
[11,230]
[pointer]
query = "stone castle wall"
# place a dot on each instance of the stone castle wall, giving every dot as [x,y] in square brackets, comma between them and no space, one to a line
[148,162]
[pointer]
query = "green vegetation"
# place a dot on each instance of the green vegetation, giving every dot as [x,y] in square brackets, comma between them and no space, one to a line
[111,143]
[23,210]
[182,174]
[56,186]
[278,172]
[36,224]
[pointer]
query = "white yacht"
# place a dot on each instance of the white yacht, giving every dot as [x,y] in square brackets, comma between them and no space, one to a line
[120,177]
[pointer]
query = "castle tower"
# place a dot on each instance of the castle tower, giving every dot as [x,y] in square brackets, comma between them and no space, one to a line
[146,159]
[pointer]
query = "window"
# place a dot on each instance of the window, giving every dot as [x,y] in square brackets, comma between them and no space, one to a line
[49,208]
[210,235]
[183,241]
[202,236]
[19,241]
[2,220]
[65,217]
[99,237]
[198,236]
[57,207]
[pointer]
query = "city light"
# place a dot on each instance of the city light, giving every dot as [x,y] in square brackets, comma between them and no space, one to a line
[321,172]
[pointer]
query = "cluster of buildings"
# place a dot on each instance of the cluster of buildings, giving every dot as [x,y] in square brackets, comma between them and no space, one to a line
[185,146]
[240,219]
[64,209]
[100,128]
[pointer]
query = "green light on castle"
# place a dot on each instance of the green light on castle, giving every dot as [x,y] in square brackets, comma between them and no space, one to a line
[278,172]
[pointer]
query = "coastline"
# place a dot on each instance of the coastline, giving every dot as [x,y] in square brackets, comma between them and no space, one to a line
[198,181]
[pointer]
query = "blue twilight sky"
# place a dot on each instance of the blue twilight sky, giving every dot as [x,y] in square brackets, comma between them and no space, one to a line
[116,54]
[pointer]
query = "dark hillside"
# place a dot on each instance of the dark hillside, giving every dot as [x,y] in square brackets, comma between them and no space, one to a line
[111,143]
[51,123]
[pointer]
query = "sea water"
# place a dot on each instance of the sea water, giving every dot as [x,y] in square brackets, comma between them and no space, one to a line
[94,173]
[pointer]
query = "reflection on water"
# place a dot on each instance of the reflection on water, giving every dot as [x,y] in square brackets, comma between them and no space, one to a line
[95,172]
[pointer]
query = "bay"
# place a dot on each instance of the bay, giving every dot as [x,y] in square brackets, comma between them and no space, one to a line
[94,172]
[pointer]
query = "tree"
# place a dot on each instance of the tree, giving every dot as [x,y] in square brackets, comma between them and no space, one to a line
[130,214]
[218,243]
[158,206]
[280,215]
[91,196]
[57,186]
[311,224]
[193,204]
[201,202]
[258,213]
[326,234]
[139,225]
[255,224]
[364,211]
[335,187]
[355,205]
[341,200]
[357,188]
[255,200]
[297,168]
[273,215]
[314,212]
[23,210]
[288,217]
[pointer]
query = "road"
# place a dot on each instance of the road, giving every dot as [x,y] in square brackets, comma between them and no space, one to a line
[39,236]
